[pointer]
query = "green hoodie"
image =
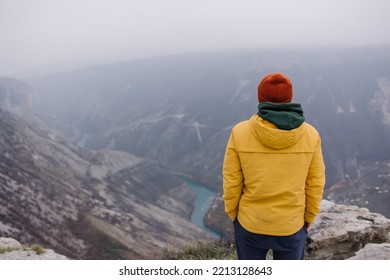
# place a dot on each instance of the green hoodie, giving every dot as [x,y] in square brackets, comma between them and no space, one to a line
[285,116]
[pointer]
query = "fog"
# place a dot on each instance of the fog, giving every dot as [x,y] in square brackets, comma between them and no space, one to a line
[36,33]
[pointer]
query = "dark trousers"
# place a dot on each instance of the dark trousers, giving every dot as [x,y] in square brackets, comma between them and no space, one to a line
[251,246]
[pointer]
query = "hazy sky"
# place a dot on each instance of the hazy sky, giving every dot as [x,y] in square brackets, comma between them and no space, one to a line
[39,32]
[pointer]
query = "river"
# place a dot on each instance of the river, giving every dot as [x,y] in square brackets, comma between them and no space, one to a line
[203,200]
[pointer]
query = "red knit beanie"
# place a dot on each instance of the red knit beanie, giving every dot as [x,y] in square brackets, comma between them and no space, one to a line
[275,88]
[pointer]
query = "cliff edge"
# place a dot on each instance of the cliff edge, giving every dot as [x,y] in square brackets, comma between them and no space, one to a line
[11,249]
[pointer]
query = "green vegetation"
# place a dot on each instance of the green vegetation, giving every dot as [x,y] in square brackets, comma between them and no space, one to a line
[218,250]
[3,250]
[26,247]
[35,247]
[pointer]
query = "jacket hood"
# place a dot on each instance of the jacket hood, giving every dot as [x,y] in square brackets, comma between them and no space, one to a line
[285,116]
[273,137]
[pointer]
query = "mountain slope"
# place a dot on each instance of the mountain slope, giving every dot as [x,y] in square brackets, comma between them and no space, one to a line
[85,203]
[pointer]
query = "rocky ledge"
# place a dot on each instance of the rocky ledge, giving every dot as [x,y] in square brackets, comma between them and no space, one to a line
[10,249]
[373,252]
[340,231]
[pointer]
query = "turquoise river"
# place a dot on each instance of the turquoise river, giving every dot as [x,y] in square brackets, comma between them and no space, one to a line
[203,200]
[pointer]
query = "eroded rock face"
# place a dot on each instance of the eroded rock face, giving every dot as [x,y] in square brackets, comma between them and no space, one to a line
[340,230]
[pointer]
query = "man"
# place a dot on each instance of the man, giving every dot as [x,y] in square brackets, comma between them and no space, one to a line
[273,175]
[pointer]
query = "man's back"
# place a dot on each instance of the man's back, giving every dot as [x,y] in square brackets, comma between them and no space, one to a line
[275,164]
[273,175]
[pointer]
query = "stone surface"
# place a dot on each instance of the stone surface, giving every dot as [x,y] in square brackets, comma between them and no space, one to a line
[9,244]
[31,255]
[373,252]
[11,249]
[340,230]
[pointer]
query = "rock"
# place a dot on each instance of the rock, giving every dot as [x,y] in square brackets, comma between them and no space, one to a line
[31,255]
[340,230]
[11,249]
[9,244]
[373,252]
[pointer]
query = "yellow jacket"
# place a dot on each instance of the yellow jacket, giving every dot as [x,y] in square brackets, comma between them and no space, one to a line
[273,179]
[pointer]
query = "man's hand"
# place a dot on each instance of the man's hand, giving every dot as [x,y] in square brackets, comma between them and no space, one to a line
[308,226]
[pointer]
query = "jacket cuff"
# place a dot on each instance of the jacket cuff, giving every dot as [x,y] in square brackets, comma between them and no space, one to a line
[309,218]
[232,215]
